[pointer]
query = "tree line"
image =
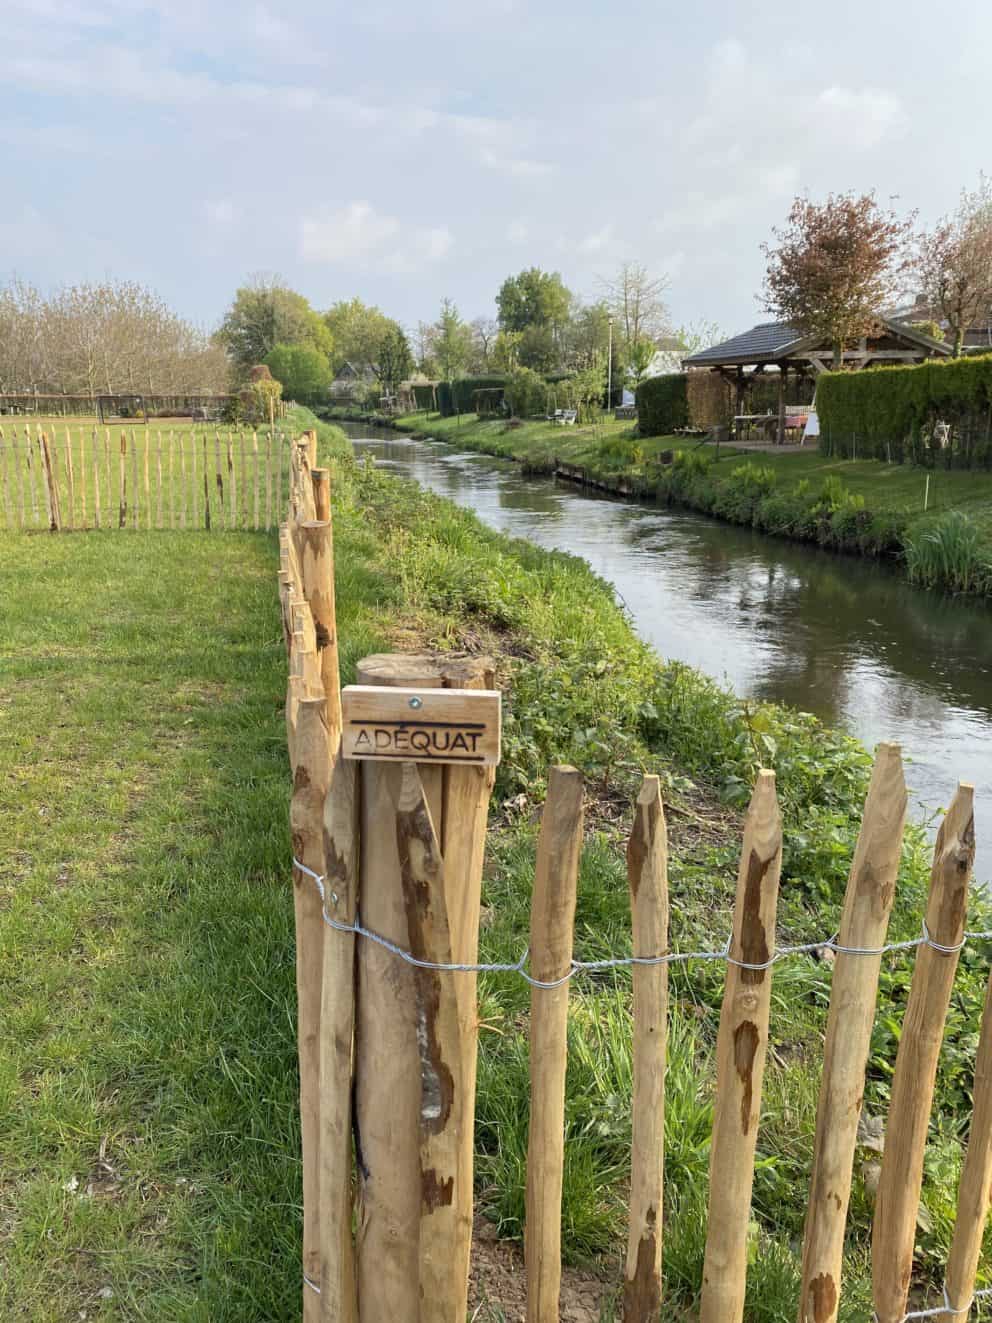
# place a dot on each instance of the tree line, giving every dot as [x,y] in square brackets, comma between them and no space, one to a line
[831,269]
[112,337]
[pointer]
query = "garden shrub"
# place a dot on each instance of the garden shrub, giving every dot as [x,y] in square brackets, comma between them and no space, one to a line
[662,404]
[526,393]
[423,396]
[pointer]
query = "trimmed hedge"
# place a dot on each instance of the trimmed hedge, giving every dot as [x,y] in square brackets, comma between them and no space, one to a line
[423,397]
[662,404]
[893,413]
[465,389]
[445,403]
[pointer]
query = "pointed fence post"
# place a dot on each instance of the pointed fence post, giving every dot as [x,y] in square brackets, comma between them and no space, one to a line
[647,874]
[864,924]
[975,1190]
[742,1044]
[551,937]
[894,1229]
[311,776]
[316,544]
[338,1298]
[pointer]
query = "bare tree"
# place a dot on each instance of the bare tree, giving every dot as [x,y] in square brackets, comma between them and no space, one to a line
[484,333]
[635,299]
[835,266]
[111,337]
[954,264]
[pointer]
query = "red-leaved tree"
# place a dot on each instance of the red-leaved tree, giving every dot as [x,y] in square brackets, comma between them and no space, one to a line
[954,264]
[834,266]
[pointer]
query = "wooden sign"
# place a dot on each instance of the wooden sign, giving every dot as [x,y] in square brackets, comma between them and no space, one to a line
[421,725]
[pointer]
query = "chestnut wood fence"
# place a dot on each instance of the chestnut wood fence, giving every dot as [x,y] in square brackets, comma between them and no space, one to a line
[387,872]
[70,478]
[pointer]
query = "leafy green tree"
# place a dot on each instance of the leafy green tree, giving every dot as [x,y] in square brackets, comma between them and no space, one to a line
[304,371]
[358,331]
[533,298]
[395,361]
[588,335]
[264,314]
[539,349]
[452,342]
[506,351]
[637,358]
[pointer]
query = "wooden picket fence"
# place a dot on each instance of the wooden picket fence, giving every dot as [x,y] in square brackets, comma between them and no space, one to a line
[387,875]
[65,478]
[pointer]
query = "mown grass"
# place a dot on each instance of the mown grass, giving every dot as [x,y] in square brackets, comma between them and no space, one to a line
[147,1078]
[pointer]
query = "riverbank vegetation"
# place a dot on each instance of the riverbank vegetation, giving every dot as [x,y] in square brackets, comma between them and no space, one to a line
[862,507]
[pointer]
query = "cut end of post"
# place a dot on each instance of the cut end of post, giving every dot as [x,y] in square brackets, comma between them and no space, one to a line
[650,792]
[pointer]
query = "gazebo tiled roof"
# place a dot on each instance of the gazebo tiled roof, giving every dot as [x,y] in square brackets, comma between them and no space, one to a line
[763,343]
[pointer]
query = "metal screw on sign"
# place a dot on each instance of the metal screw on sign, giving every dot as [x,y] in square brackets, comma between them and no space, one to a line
[416,702]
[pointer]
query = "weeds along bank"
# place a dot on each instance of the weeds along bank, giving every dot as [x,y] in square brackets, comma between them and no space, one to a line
[581,687]
[869,509]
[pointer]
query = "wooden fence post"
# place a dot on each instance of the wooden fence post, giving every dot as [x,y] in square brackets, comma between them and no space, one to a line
[416,1033]
[135,494]
[206,483]
[551,935]
[7,509]
[975,1189]
[321,479]
[894,1229]
[51,485]
[311,776]
[338,1297]
[742,1044]
[647,874]
[122,483]
[70,476]
[317,564]
[864,925]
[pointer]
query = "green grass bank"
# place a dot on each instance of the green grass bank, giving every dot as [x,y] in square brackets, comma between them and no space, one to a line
[861,507]
[149,1148]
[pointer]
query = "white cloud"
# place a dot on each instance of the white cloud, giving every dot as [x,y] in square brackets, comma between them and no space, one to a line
[358,234]
[863,118]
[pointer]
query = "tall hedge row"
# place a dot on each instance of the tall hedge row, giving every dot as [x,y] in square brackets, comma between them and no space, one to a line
[896,413]
[465,389]
[662,404]
[423,396]
[445,401]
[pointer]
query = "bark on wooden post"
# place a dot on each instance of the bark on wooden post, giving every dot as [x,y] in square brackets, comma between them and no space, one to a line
[647,873]
[321,479]
[338,1294]
[894,1229]
[864,925]
[742,1044]
[975,1190]
[551,935]
[317,563]
[311,775]
[51,485]
[414,1050]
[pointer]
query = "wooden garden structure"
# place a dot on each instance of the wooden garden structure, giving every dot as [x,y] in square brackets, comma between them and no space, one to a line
[777,350]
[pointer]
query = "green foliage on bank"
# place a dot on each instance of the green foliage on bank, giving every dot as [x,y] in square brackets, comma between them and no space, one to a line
[894,413]
[662,404]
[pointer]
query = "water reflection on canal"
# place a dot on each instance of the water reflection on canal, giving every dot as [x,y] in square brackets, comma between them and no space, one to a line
[838,636]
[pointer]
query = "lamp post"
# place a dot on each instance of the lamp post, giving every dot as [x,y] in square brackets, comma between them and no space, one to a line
[609,370]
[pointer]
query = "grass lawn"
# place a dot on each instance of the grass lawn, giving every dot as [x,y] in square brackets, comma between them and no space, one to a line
[148,1134]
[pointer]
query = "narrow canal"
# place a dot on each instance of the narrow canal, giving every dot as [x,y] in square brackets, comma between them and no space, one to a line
[839,636]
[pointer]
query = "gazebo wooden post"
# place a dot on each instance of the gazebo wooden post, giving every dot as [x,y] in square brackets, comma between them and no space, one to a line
[739,390]
[783,371]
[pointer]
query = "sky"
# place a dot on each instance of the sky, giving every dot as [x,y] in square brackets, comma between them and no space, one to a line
[403,154]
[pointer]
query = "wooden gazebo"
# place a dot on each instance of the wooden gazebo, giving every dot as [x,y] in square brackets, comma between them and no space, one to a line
[779,349]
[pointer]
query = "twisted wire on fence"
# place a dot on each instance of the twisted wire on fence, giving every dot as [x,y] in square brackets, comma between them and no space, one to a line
[629,962]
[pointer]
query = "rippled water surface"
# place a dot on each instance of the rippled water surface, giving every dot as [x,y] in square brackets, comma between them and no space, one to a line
[835,635]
